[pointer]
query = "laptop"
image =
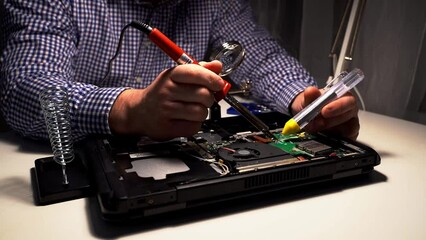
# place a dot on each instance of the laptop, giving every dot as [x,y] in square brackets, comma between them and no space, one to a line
[228,159]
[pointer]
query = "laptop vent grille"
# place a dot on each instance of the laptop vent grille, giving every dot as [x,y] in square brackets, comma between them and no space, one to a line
[277,177]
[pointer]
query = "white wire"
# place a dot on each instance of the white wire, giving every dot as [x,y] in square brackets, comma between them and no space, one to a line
[361,100]
[222,166]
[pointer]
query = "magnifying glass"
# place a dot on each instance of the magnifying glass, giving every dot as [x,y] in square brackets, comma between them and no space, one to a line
[231,54]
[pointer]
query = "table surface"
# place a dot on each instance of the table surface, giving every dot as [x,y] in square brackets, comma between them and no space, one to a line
[390,203]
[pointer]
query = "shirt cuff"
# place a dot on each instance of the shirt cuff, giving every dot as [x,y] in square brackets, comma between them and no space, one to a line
[291,90]
[92,117]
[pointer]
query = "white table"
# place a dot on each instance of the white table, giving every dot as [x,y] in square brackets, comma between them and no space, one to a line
[391,204]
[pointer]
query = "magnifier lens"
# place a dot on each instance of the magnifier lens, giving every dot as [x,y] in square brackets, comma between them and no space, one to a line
[230,54]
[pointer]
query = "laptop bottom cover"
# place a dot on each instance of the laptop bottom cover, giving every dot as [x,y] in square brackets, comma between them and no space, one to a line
[227,159]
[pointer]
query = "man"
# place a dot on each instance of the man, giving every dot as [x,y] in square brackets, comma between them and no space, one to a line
[69,43]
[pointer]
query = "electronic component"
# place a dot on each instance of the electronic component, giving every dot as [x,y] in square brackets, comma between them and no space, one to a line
[225,151]
[245,157]
[313,147]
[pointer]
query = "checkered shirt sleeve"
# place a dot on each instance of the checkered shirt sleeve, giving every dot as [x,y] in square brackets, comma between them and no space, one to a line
[69,43]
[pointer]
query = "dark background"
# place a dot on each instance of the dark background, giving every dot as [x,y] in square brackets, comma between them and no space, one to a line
[390,48]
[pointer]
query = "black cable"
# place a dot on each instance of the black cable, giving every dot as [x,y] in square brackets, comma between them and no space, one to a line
[133,24]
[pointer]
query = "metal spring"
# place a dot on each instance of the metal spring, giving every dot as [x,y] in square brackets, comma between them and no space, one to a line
[55,106]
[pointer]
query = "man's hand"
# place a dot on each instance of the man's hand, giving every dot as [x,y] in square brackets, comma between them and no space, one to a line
[340,117]
[174,105]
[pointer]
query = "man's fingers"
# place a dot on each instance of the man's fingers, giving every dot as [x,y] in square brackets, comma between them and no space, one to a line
[340,106]
[349,130]
[184,111]
[310,94]
[192,94]
[197,75]
[214,66]
[339,119]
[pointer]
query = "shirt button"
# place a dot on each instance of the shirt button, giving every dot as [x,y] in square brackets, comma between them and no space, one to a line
[138,79]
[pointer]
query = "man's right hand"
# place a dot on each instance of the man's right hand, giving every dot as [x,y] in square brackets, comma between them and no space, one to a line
[174,105]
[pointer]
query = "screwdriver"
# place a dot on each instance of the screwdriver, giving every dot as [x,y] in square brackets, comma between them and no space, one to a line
[180,57]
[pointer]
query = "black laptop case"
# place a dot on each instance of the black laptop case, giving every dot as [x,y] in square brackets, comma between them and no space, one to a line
[227,159]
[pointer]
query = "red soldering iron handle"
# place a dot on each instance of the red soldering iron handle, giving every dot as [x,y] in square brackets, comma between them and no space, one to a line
[221,94]
[180,57]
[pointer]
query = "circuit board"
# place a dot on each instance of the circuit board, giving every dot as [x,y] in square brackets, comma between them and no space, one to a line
[252,151]
[230,148]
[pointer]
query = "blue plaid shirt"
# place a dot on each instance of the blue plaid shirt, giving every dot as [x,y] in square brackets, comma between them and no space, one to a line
[70,43]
